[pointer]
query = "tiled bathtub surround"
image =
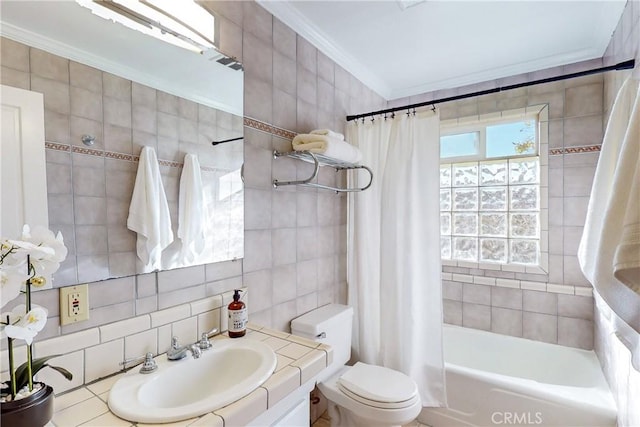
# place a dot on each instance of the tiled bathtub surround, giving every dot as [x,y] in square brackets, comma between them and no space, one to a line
[500,300]
[298,361]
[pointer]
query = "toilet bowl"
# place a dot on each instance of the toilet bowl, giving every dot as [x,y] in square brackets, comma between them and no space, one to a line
[355,404]
[359,395]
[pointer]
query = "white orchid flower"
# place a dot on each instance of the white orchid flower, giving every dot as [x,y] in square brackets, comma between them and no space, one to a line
[45,250]
[42,236]
[28,325]
[11,281]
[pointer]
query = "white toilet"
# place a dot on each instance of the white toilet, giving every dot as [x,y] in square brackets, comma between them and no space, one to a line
[359,395]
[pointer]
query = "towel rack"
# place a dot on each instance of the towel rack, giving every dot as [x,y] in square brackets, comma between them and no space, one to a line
[320,160]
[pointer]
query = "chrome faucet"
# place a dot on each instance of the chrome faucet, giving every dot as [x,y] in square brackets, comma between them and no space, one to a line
[176,352]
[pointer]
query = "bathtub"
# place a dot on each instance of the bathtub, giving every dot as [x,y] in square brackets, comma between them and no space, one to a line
[498,380]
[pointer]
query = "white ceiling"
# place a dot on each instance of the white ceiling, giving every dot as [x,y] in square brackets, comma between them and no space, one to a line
[72,31]
[446,44]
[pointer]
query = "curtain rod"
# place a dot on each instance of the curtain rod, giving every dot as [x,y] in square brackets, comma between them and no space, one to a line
[626,65]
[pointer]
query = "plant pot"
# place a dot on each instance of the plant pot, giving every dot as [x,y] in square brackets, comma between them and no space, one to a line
[32,411]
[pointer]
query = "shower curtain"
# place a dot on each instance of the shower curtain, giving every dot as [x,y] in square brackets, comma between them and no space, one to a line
[394,270]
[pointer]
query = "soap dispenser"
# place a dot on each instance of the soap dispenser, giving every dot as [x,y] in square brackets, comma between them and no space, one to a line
[238,316]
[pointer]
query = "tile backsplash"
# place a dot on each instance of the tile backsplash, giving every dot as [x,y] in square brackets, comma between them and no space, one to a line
[96,352]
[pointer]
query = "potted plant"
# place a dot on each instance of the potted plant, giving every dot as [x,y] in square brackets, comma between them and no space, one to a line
[25,263]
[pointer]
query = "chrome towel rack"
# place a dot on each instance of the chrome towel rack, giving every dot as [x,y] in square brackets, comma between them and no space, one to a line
[320,160]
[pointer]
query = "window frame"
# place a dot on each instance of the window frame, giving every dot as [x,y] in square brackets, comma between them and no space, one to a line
[539,113]
[481,128]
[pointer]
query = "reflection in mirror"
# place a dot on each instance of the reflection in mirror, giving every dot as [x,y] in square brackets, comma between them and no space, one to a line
[127,90]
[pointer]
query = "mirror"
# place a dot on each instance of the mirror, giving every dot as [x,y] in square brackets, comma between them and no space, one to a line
[129,90]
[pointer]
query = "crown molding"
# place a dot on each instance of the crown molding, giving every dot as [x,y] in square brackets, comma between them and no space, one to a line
[285,12]
[499,73]
[88,58]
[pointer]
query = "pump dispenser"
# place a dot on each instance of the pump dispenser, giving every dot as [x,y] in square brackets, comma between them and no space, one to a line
[238,316]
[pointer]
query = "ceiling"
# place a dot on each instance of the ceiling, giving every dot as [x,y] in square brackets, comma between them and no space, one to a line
[69,30]
[431,45]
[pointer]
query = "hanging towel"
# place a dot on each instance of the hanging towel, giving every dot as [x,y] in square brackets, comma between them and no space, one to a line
[149,212]
[626,261]
[328,132]
[328,146]
[191,218]
[611,204]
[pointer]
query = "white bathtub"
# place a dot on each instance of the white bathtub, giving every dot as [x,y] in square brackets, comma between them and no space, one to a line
[501,380]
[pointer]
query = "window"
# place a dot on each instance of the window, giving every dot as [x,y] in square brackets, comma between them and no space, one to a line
[490,201]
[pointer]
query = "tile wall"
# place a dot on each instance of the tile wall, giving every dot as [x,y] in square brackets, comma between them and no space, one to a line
[295,238]
[556,307]
[623,377]
[90,188]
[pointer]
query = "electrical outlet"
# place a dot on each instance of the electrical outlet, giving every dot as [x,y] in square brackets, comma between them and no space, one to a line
[74,304]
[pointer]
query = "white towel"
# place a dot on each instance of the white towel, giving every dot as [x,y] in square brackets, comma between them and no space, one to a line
[328,132]
[149,212]
[612,203]
[191,218]
[328,146]
[626,261]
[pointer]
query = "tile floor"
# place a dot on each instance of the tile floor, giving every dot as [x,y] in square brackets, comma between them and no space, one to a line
[325,421]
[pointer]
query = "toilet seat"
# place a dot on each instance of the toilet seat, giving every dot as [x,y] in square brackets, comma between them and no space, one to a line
[378,386]
[372,411]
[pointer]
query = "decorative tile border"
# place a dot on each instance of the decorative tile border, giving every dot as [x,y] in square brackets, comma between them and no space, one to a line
[56,146]
[575,150]
[267,128]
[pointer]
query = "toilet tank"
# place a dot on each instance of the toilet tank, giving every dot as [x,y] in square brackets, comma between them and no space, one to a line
[330,324]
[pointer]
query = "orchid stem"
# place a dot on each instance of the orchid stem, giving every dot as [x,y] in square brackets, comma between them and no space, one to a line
[11,370]
[28,304]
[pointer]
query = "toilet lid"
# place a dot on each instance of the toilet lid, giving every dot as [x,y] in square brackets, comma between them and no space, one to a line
[378,384]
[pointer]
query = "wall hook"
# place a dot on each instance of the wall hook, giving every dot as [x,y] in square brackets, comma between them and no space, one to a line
[88,140]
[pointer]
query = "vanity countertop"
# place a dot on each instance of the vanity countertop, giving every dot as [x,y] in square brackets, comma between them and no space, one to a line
[299,360]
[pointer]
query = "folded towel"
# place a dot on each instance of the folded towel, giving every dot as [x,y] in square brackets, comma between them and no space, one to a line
[149,212]
[328,132]
[328,146]
[191,218]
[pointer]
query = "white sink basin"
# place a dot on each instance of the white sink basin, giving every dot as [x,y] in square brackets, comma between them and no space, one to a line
[190,387]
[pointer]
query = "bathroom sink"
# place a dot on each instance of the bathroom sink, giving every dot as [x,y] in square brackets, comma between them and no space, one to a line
[183,389]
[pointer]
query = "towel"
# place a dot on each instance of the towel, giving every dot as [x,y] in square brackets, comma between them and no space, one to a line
[149,212]
[609,248]
[328,132]
[626,261]
[328,146]
[191,218]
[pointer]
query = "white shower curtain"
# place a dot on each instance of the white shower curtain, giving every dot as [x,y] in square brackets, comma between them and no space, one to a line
[394,270]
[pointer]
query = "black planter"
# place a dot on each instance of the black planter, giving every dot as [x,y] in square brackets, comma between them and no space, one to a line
[33,411]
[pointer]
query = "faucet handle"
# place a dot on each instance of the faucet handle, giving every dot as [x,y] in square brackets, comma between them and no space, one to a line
[204,343]
[149,365]
[174,343]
